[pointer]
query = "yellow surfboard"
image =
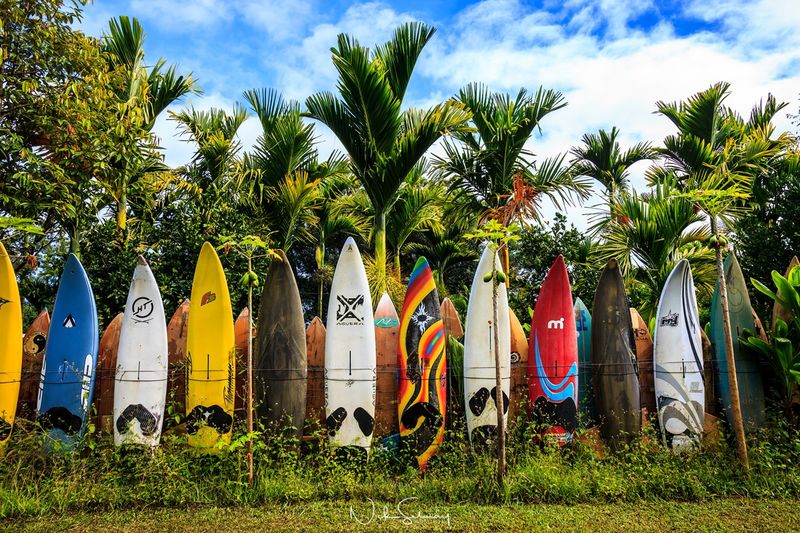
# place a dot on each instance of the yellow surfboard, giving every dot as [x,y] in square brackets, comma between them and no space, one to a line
[210,355]
[10,345]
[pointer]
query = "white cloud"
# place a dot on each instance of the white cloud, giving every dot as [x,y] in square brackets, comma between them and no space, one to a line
[183,16]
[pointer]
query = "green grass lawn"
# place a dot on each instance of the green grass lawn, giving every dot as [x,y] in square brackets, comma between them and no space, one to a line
[714,515]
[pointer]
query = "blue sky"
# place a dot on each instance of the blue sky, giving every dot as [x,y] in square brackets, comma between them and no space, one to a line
[612,59]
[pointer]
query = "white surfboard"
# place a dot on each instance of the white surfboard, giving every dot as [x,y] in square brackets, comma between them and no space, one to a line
[678,361]
[479,359]
[142,361]
[350,354]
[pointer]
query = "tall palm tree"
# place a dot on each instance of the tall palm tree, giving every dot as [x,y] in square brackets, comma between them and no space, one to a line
[490,165]
[601,158]
[383,141]
[715,155]
[143,92]
[215,169]
[648,234]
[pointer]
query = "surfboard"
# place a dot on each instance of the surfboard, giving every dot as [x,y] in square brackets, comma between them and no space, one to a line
[140,391]
[519,369]
[480,350]
[103,399]
[387,326]
[240,327]
[644,358]
[678,362]
[778,311]
[33,345]
[453,330]
[10,345]
[553,365]
[350,362]
[70,360]
[422,365]
[452,322]
[748,368]
[211,356]
[615,379]
[280,360]
[583,326]
[315,391]
[711,398]
[177,329]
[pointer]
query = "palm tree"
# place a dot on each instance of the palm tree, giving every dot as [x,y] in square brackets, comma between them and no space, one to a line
[215,168]
[490,165]
[383,141]
[648,234]
[143,93]
[602,159]
[334,220]
[285,175]
[715,155]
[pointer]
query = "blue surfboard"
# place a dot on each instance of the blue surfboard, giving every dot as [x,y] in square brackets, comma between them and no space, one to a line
[583,324]
[67,381]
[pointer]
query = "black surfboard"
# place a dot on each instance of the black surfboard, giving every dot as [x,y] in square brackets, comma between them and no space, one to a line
[615,376]
[280,357]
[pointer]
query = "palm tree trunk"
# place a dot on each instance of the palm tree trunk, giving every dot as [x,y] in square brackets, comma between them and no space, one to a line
[380,250]
[319,256]
[498,400]
[122,216]
[250,376]
[397,265]
[733,382]
[74,244]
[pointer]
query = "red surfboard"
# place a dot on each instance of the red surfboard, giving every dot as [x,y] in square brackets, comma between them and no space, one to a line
[553,358]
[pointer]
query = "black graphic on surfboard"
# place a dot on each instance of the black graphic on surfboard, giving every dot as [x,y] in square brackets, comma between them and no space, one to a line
[349,308]
[214,417]
[148,423]
[142,308]
[60,418]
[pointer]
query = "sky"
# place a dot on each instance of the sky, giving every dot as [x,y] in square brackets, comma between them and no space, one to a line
[612,59]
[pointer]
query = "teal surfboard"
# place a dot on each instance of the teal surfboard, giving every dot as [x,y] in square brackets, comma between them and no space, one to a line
[748,369]
[583,324]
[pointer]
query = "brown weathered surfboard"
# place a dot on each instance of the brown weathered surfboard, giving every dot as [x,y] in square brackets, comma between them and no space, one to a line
[712,400]
[33,345]
[105,375]
[315,393]
[240,334]
[452,322]
[644,357]
[387,326]
[280,356]
[759,327]
[778,311]
[519,369]
[176,345]
[615,378]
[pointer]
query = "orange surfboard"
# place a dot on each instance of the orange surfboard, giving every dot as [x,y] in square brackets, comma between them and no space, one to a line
[176,345]
[519,369]
[315,392]
[644,358]
[240,335]
[33,345]
[452,322]
[387,326]
[105,376]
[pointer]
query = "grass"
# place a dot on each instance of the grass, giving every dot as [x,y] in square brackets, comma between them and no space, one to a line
[716,515]
[303,485]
